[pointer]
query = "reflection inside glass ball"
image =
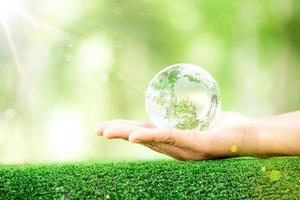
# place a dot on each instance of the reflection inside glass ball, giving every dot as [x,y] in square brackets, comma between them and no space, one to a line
[183,96]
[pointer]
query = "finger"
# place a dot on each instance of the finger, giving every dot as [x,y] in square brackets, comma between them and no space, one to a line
[119,131]
[166,149]
[103,125]
[182,139]
[134,123]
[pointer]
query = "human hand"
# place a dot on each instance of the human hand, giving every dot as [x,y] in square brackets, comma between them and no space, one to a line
[232,135]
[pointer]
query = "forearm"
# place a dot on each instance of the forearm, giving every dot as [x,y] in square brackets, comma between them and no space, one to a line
[279,135]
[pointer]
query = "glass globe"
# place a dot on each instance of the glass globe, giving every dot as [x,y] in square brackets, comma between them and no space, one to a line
[183,96]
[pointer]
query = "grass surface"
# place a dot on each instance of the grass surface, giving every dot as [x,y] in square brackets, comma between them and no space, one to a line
[231,178]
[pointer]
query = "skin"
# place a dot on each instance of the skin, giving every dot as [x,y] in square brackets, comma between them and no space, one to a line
[232,135]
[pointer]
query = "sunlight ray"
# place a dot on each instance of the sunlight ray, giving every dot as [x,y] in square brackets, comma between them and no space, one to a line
[20,68]
[45,27]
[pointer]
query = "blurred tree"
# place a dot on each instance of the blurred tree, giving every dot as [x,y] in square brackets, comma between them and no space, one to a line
[104,54]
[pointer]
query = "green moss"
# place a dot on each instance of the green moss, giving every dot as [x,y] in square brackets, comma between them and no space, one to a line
[219,179]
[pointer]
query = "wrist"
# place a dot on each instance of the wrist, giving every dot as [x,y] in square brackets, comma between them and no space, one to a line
[262,147]
[252,137]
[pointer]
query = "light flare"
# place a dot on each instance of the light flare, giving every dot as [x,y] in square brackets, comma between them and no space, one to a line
[20,67]
[8,8]
[67,137]
[233,148]
[46,27]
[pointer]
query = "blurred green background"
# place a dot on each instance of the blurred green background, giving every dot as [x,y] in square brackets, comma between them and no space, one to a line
[67,64]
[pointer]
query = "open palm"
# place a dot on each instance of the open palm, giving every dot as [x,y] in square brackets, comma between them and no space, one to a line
[232,135]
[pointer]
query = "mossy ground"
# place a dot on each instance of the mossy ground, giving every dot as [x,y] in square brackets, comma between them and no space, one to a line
[219,179]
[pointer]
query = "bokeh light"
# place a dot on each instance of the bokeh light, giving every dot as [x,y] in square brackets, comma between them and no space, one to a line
[8,8]
[65,65]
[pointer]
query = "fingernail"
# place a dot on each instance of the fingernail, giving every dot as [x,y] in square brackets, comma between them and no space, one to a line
[99,128]
[134,140]
[98,133]
[104,135]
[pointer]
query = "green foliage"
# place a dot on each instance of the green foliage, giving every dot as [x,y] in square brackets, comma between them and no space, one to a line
[186,112]
[182,110]
[219,179]
[192,78]
[167,81]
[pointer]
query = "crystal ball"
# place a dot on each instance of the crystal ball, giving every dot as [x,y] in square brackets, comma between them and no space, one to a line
[183,96]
